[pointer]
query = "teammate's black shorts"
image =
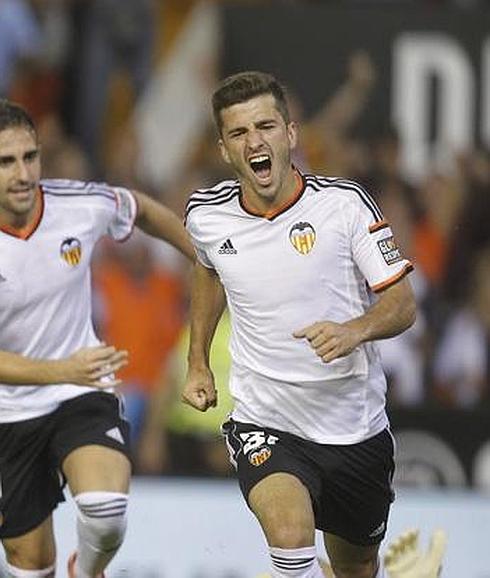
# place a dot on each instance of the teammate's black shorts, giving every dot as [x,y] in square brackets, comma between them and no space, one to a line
[350,485]
[32,451]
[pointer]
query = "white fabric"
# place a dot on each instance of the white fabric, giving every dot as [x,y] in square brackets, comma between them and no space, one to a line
[45,296]
[274,289]
[101,525]
[295,563]
[20,573]
[381,570]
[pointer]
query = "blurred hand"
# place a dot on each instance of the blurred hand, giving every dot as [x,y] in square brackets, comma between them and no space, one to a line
[362,71]
[89,365]
[199,390]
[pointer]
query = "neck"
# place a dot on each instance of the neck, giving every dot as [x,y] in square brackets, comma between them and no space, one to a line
[261,204]
[19,222]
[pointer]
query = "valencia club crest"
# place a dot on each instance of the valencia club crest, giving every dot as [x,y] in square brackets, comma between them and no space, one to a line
[302,237]
[71,251]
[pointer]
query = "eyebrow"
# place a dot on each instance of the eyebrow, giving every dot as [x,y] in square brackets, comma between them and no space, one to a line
[10,158]
[259,123]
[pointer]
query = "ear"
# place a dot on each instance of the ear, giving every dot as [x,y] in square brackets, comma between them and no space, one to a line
[292,129]
[223,151]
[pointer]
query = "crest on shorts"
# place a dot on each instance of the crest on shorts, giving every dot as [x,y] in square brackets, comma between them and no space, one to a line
[258,457]
[302,237]
[71,251]
[256,446]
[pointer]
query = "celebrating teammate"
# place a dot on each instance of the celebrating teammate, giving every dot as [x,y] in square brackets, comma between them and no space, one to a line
[58,412]
[298,258]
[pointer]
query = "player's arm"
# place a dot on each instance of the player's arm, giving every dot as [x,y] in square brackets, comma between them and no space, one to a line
[159,221]
[87,366]
[390,315]
[207,304]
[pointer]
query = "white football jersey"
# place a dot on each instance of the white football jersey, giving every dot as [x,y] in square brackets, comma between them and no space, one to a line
[317,259]
[45,285]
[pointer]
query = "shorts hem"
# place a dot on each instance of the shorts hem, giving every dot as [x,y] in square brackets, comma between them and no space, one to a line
[26,528]
[292,472]
[355,541]
[113,446]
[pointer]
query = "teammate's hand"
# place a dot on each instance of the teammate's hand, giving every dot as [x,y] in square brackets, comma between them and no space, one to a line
[330,340]
[89,365]
[199,390]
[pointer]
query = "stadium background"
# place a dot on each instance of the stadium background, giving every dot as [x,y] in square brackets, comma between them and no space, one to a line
[395,94]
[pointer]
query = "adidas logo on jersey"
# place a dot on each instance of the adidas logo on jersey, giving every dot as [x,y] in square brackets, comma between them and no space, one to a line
[227,248]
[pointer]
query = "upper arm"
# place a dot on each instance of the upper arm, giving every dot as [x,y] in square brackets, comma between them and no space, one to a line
[142,207]
[373,245]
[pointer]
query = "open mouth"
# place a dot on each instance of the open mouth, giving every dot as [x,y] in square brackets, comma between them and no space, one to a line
[261,166]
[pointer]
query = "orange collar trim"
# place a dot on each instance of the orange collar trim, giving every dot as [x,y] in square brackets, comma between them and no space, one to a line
[275,212]
[25,232]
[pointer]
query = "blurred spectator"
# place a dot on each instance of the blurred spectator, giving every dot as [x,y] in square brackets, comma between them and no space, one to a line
[62,157]
[20,42]
[461,368]
[178,439]
[327,144]
[470,232]
[115,35]
[138,307]
[441,198]
[36,46]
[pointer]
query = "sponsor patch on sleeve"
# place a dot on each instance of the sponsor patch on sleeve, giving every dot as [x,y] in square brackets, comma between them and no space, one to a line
[390,251]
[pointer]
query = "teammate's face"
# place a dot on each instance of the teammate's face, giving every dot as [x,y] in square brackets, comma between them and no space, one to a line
[257,142]
[20,171]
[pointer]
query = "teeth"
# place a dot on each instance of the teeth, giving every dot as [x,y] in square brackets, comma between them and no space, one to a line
[259,159]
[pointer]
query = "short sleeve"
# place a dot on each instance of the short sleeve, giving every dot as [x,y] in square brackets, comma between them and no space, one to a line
[375,250]
[199,245]
[122,223]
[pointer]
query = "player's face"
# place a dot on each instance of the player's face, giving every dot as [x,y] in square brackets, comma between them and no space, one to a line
[20,171]
[257,142]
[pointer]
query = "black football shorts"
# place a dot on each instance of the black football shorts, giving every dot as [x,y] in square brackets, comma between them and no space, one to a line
[350,485]
[32,451]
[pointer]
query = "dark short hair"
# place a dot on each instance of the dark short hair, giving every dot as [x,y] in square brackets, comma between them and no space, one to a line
[244,86]
[12,115]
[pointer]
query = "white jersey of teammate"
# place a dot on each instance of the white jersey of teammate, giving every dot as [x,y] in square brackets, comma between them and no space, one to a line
[316,259]
[45,292]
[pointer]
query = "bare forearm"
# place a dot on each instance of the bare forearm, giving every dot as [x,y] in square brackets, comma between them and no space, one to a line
[159,221]
[207,304]
[16,369]
[93,366]
[393,313]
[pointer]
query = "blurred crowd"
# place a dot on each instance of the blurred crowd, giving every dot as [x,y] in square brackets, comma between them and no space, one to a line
[80,67]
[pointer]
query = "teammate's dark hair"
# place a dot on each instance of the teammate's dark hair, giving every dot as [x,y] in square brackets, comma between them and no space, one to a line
[244,86]
[12,115]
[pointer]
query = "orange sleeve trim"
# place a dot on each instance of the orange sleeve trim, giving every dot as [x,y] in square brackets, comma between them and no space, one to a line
[378,226]
[392,280]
